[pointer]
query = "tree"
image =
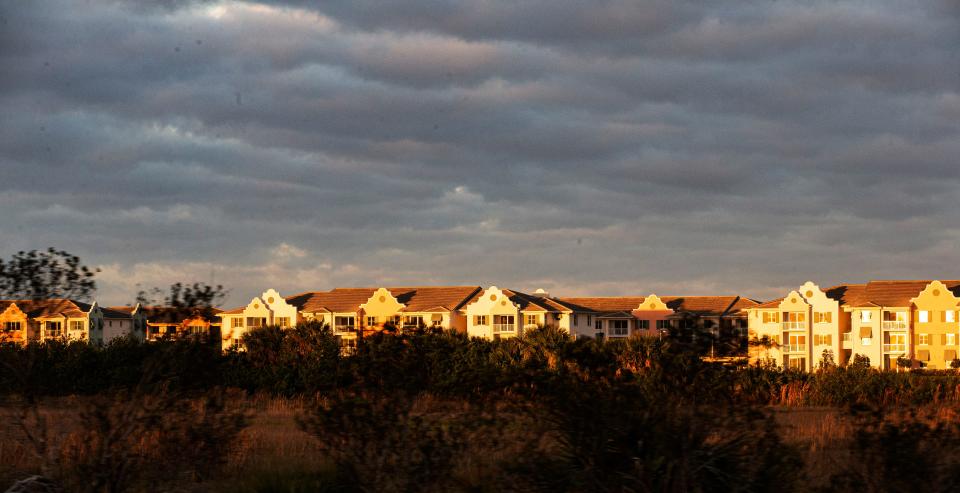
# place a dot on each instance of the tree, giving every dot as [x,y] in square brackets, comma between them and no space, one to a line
[826,360]
[46,274]
[860,361]
[904,363]
[181,297]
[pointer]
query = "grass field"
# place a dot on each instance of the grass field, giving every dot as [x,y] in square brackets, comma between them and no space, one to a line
[273,453]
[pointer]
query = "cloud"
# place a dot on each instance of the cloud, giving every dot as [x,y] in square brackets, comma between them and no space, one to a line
[605,148]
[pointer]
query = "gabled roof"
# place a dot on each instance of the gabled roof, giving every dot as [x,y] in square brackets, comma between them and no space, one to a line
[414,299]
[529,302]
[50,308]
[114,314]
[698,305]
[894,293]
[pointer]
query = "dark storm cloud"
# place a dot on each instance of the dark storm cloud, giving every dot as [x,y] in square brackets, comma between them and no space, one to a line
[606,147]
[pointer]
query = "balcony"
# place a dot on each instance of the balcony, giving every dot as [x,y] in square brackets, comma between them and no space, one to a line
[895,348]
[499,328]
[794,326]
[794,348]
[343,328]
[894,325]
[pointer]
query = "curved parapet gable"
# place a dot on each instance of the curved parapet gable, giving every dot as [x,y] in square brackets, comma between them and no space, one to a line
[936,295]
[793,302]
[493,300]
[652,303]
[382,304]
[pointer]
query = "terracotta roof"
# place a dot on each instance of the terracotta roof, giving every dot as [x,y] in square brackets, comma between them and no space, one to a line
[49,308]
[348,300]
[894,293]
[700,305]
[770,304]
[846,294]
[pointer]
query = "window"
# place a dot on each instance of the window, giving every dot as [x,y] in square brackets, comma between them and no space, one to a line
[282,321]
[198,329]
[866,316]
[618,327]
[923,339]
[111,323]
[76,325]
[53,329]
[413,321]
[504,323]
[822,340]
[236,322]
[532,320]
[643,324]
[924,316]
[794,317]
[771,317]
[822,317]
[371,321]
[949,316]
[576,319]
[949,339]
[343,323]
[235,344]
[663,324]
[256,322]
[11,326]
[598,325]
[589,320]
[479,320]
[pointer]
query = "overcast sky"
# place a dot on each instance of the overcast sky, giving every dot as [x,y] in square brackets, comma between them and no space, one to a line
[598,147]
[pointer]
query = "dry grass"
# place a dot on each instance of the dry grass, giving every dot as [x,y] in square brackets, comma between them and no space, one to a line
[275,444]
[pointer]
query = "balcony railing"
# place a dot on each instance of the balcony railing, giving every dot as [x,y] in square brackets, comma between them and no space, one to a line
[343,328]
[894,325]
[794,326]
[794,348]
[894,348]
[497,328]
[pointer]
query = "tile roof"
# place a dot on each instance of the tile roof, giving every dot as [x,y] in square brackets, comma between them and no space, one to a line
[895,293]
[49,308]
[700,305]
[348,300]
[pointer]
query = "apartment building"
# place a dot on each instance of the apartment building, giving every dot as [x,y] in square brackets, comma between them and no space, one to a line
[623,316]
[354,312]
[883,321]
[23,321]
[915,320]
[497,313]
[803,328]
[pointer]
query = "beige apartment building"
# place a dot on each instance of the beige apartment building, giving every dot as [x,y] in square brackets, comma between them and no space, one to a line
[22,321]
[353,312]
[803,328]
[884,321]
[623,316]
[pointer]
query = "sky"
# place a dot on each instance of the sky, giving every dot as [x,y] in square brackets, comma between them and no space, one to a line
[587,148]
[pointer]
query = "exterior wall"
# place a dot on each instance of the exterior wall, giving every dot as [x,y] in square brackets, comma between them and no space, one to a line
[758,329]
[861,328]
[114,328]
[941,334]
[795,333]
[278,308]
[382,305]
[580,324]
[492,302]
[824,334]
[652,311]
[27,330]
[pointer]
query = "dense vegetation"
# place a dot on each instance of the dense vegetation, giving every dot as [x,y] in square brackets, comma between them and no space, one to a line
[442,412]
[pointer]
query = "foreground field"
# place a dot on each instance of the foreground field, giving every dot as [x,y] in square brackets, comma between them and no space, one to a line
[274,453]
